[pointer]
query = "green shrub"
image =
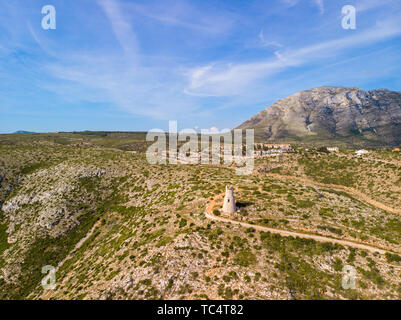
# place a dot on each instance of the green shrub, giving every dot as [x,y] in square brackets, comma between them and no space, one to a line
[3,238]
[392,257]
[245,258]
[337,264]
[164,241]
[183,223]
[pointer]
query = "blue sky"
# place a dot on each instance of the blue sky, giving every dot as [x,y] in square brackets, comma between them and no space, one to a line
[133,65]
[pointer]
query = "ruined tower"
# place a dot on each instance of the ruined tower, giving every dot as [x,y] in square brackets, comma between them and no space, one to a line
[229,201]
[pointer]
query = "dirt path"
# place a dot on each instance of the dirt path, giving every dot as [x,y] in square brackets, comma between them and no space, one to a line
[359,195]
[78,245]
[49,294]
[209,214]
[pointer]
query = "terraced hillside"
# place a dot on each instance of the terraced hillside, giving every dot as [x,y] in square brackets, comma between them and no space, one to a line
[116,227]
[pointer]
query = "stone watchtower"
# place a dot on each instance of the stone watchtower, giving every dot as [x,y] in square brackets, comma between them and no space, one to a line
[229,201]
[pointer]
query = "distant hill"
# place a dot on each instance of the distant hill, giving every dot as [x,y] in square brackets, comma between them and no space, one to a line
[22,131]
[332,115]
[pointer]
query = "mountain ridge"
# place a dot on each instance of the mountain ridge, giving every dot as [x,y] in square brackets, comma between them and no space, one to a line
[341,115]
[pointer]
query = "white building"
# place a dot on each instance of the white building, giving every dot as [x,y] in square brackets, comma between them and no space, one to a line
[361,152]
[332,149]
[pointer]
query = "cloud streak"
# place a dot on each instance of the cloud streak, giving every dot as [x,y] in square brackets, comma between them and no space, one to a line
[225,79]
[320,5]
[183,15]
[123,81]
[198,61]
[121,27]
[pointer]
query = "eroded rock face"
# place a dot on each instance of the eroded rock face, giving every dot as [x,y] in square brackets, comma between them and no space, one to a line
[41,205]
[332,113]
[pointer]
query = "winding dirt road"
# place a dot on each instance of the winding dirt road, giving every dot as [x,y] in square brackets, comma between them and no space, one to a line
[358,245]
[359,195]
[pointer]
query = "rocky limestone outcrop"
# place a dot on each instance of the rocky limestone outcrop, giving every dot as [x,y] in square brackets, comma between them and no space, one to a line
[40,205]
[346,114]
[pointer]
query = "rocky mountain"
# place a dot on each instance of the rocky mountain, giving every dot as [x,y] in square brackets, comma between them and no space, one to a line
[346,116]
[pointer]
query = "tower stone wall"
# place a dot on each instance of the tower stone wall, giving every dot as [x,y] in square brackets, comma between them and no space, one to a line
[229,201]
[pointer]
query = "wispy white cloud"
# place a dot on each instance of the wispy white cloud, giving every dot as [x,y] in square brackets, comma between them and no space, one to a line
[138,90]
[122,80]
[225,79]
[320,5]
[365,5]
[121,27]
[130,82]
[182,14]
[289,3]
[170,59]
[267,43]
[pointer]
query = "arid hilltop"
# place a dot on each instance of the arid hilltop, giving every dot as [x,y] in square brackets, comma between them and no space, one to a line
[116,227]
